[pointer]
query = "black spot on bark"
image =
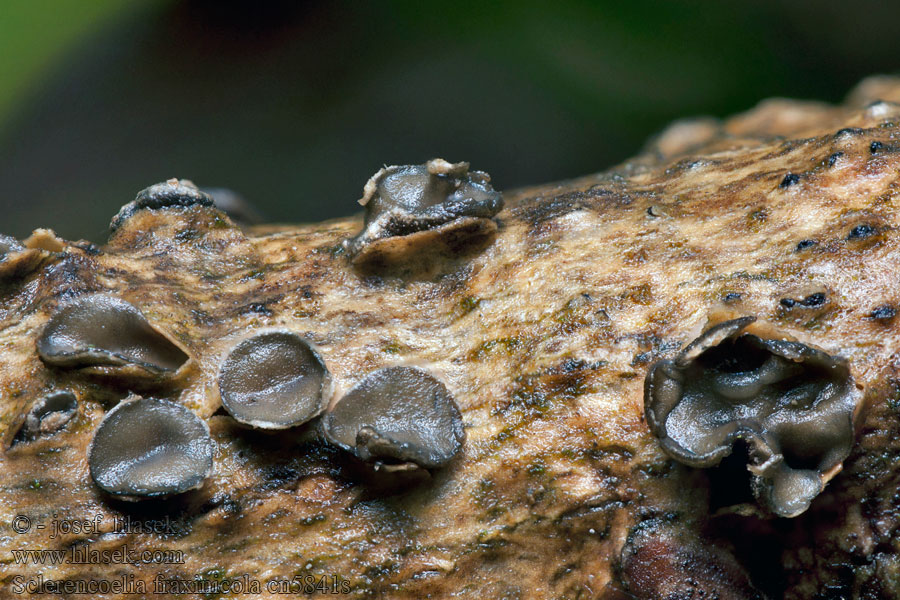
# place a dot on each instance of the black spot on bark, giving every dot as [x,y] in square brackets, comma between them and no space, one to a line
[817,299]
[833,159]
[258,308]
[811,301]
[883,312]
[789,180]
[788,302]
[861,231]
[804,244]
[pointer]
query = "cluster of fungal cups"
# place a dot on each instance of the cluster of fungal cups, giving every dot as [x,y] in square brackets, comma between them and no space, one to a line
[144,447]
[399,420]
[395,419]
[792,406]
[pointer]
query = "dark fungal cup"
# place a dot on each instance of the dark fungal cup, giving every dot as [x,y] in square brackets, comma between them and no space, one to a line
[397,416]
[435,192]
[273,380]
[49,414]
[790,405]
[173,193]
[106,334]
[417,207]
[147,447]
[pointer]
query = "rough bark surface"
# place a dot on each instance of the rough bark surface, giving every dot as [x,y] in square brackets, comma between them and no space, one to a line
[544,337]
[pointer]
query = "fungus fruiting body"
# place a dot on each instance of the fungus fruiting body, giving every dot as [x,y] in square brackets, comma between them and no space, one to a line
[273,380]
[168,194]
[49,414]
[147,447]
[415,207]
[107,334]
[792,405]
[397,416]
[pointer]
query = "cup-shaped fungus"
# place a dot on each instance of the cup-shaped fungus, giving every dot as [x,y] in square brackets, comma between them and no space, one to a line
[793,407]
[273,380]
[397,417]
[173,193]
[416,208]
[105,334]
[147,447]
[49,414]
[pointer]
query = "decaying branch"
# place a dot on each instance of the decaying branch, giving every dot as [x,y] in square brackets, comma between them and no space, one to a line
[540,322]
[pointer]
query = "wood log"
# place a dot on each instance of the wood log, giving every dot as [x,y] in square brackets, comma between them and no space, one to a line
[543,330]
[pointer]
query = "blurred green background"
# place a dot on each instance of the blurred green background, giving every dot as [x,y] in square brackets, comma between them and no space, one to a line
[294,104]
